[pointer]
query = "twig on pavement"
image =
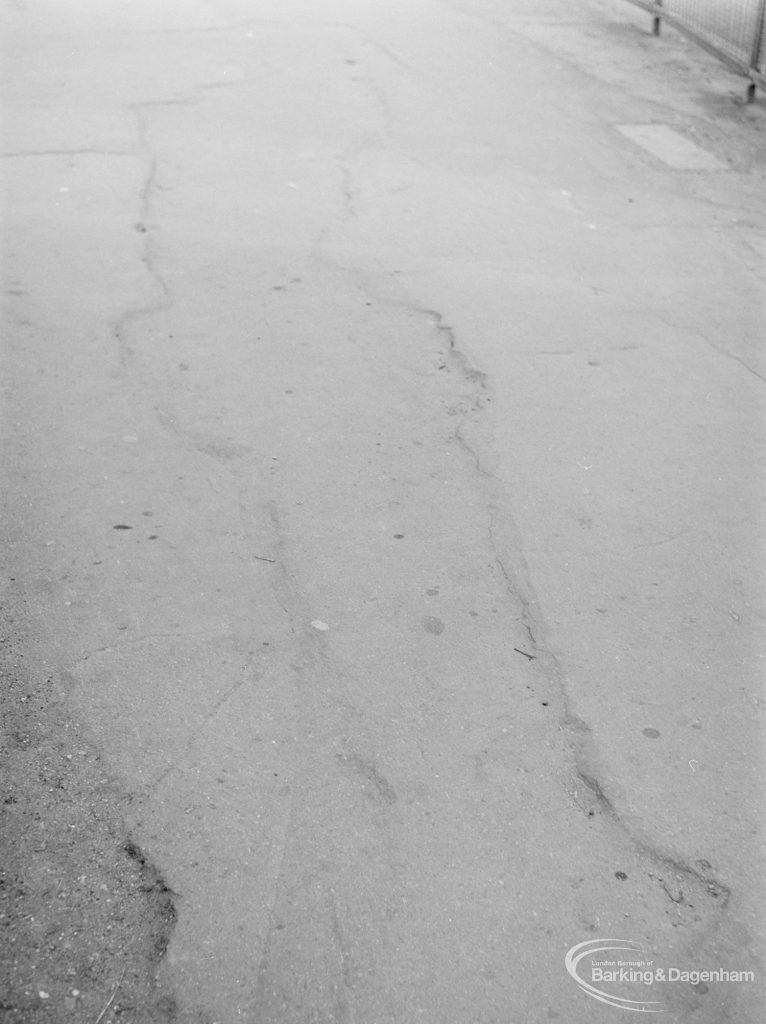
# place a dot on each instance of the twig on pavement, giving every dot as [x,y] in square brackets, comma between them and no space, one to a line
[110,1000]
[530,656]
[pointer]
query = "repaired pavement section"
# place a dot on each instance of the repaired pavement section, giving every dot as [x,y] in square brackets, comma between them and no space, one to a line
[374,319]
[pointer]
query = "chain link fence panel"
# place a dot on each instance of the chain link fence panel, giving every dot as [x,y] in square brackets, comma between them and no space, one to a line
[734,30]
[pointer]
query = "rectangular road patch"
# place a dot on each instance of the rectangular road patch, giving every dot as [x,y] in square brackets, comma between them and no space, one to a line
[671,147]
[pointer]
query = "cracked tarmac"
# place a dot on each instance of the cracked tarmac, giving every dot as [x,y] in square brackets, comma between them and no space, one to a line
[383,472]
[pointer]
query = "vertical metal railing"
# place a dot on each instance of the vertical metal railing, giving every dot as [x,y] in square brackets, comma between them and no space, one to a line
[758,57]
[733,30]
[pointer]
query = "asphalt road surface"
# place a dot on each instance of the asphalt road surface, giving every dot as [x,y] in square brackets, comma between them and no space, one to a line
[383,450]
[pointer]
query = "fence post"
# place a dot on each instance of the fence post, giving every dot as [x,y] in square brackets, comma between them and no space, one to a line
[657,21]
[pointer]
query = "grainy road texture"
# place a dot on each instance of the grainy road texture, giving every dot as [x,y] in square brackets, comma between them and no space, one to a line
[383,509]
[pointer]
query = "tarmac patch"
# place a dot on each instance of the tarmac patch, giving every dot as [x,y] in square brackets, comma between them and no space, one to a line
[674,149]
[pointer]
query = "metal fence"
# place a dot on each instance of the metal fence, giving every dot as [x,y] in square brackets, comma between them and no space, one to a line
[733,30]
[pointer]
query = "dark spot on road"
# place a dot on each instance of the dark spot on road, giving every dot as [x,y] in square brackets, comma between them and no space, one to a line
[122,526]
[134,852]
[432,625]
[221,448]
[651,734]
[398,536]
[544,703]
[183,366]
[140,227]
[621,875]
[433,592]
[378,785]
[289,391]
[700,988]
[153,536]
[167,1008]
[474,615]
